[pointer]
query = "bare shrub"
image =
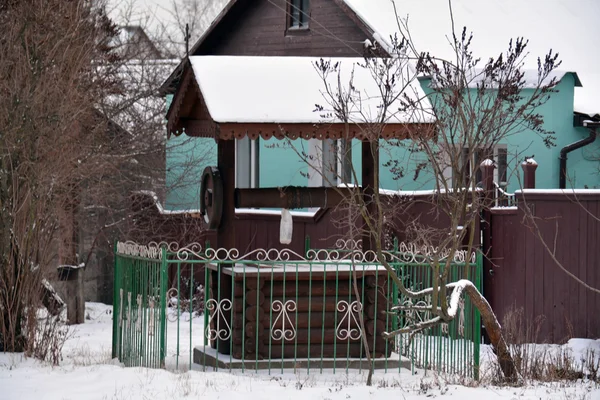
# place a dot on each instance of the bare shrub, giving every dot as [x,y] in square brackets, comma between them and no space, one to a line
[535,359]
[47,336]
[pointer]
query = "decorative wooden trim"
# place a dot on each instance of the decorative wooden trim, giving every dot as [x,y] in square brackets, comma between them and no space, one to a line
[292,131]
[177,102]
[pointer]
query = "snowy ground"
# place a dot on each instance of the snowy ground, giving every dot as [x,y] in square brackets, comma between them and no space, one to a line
[87,372]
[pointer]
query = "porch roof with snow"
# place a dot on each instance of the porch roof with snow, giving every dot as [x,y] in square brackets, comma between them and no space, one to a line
[237,96]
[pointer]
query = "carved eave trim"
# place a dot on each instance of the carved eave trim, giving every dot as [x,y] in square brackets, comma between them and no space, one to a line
[266,131]
[175,107]
[182,114]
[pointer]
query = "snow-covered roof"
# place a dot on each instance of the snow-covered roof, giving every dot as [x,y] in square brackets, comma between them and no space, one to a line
[569,27]
[243,89]
[530,78]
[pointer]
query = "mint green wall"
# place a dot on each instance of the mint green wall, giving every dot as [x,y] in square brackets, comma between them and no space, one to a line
[186,159]
[558,117]
[281,164]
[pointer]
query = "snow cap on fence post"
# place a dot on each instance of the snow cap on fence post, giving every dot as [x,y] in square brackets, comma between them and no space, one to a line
[487,176]
[529,166]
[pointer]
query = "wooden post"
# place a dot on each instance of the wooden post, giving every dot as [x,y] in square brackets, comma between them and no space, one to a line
[487,171]
[67,255]
[226,232]
[73,275]
[529,166]
[370,158]
[487,177]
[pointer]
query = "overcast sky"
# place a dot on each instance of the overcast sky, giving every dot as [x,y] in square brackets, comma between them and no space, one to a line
[152,13]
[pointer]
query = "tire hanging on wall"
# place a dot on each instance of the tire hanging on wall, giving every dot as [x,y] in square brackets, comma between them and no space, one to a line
[211,197]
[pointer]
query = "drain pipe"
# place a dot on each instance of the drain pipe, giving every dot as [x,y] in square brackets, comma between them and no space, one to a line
[592,126]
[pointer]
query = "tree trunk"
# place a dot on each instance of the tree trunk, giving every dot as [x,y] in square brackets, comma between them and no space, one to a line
[494,331]
[68,255]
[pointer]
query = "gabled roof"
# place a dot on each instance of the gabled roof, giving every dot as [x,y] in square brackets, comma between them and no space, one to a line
[230,7]
[570,28]
[258,91]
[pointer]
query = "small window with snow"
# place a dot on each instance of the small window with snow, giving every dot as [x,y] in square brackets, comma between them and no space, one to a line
[298,15]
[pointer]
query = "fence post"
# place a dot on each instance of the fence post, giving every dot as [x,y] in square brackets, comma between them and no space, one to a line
[163,305]
[116,305]
[487,170]
[529,166]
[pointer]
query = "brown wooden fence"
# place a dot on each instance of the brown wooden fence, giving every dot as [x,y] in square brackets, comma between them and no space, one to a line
[521,272]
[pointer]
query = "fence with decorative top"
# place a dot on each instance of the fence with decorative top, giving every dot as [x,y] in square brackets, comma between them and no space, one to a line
[277,309]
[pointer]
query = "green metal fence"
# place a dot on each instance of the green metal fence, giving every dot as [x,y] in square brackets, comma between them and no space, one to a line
[139,305]
[453,347]
[276,310]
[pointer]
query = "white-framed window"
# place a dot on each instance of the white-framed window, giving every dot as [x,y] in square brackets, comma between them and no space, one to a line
[329,162]
[247,156]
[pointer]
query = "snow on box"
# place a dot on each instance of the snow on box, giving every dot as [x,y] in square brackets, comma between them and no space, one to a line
[569,28]
[244,89]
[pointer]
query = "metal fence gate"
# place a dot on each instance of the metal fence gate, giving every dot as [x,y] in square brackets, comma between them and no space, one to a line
[139,305]
[259,307]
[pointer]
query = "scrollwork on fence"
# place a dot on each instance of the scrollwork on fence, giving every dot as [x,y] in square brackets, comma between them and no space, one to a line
[347,250]
[348,244]
[217,310]
[137,250]
[287,330]
[410,252]
[349,312]
[172,301]
[416,315]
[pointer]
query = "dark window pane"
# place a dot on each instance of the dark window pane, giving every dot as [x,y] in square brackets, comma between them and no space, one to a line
[502,164]
[295,13]
[304,13]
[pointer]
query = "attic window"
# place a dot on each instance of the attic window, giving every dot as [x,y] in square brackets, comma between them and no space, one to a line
[298,15]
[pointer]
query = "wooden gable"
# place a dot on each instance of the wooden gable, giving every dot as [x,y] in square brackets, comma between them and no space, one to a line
[259,28]
[188,112]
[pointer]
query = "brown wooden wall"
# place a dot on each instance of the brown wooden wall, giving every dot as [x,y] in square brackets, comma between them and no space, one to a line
[255,231]
[524,274]
[258,28]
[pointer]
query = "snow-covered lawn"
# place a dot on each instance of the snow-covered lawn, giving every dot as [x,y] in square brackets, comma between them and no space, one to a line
[87,372]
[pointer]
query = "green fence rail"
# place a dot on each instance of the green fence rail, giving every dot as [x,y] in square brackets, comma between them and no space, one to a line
[276,310]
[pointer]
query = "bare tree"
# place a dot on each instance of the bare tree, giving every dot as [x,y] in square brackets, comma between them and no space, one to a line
[471,107]
[56,66]
[149,49]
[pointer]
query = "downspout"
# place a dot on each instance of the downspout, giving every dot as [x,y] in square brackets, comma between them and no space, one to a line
[592,126]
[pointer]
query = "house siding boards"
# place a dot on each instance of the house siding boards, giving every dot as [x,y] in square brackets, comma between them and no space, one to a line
[258,28]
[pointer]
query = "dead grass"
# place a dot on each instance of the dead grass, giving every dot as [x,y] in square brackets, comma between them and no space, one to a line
[537,360]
